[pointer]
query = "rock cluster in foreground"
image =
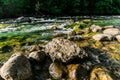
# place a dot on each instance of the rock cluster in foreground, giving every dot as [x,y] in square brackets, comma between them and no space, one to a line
[61,60]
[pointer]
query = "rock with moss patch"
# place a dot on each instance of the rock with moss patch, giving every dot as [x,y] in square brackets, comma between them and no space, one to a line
[64,50]
[100,73]
[16,68]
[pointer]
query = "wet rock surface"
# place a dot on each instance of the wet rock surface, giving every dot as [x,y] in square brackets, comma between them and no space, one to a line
[64,50]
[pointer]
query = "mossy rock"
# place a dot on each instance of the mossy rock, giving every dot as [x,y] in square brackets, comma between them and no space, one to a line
[90,34]
[77,28]
[4,25]
[82,43]
[98,44]
[100,73]
[4,57]
[57,24]
[71,26]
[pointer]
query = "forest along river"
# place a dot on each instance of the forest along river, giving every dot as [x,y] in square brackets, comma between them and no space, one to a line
[14,37]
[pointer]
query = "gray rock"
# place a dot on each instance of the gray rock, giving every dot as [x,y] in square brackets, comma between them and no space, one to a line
[64,50]
[112,31]
[37,56]
[23,19]
[16,68]
[102,37]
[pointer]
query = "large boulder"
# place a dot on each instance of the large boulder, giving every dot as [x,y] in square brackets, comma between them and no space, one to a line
[16,68]
[64,50]
[102,37]
[112,31]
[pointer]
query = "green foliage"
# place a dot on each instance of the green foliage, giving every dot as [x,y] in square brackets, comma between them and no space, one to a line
[14,7]
[11,8]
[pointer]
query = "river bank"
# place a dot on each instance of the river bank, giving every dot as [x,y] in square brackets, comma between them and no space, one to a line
[98,39]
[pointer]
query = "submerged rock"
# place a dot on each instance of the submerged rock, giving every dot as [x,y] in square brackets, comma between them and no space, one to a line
[64,50]
[16,68]
[100,73]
